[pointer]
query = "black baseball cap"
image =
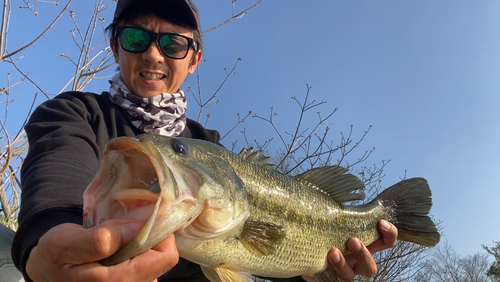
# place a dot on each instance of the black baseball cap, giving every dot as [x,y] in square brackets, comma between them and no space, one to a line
[185,6]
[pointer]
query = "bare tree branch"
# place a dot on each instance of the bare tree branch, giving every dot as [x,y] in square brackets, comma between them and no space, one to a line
[3,57]
[240,121]
[4,25]
[233,17]
[210,100]
[447,265]
[28,78]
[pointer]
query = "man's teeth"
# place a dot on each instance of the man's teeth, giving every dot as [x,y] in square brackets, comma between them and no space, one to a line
[152,76]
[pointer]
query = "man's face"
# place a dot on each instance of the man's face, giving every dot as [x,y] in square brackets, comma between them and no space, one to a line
[150,73]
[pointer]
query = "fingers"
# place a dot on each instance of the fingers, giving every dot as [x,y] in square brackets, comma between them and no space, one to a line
[358,262]
[389,237]
[33,267]
[68,252]
[339,264]
[72,244]
[360,258]
[145,267]
[67,245]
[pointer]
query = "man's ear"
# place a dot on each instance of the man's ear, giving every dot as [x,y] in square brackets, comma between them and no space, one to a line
[196,61]
[112,44]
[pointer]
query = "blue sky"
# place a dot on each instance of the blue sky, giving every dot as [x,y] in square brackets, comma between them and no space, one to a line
[423,74]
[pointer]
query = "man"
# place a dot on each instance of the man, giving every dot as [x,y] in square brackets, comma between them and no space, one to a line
[156,44]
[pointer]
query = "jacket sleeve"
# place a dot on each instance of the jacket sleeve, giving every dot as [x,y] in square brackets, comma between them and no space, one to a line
[63,157]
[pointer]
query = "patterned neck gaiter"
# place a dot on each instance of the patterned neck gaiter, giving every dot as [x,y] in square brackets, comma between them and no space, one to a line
[163,114]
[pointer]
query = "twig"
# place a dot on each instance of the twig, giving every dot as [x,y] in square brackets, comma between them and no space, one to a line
[40,36]
[4,23]
[8,154]
[272,114]
[212,98]
[238,16]
[240,120]
[29,79]
[99,67]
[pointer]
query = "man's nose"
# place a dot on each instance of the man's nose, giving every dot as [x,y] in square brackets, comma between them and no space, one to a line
[153,54]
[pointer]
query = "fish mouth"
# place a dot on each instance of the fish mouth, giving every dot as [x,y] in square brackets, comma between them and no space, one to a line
[138,179]
[128,183]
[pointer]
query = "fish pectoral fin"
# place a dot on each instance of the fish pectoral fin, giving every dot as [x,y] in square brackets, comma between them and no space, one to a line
[261,237]
[220,274]
[210,273]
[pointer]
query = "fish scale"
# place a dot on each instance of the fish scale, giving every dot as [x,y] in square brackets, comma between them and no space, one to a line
[321,232]
[237,216]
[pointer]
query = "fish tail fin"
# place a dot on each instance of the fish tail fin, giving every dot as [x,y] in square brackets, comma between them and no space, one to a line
[411,202]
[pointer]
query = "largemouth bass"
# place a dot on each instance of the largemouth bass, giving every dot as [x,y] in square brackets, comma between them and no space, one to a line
[237,216]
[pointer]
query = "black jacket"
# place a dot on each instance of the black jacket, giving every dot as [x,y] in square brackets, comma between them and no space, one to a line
[66,138]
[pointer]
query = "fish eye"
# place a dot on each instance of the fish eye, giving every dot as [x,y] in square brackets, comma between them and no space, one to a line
[180,147]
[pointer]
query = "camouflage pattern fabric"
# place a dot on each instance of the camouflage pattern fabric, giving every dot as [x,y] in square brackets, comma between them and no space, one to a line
[163,114]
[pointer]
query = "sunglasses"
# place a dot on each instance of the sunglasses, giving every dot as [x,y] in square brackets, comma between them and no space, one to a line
[138,40]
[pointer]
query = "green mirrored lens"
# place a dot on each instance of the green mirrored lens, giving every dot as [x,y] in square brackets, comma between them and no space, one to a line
[174,46]
[134,40]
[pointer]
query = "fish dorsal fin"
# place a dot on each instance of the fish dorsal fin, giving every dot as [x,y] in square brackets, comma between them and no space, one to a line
[257,157]
[333,180]
[261,237]
[220,274]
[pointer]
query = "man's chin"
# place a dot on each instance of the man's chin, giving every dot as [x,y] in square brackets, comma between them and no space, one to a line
[147,93]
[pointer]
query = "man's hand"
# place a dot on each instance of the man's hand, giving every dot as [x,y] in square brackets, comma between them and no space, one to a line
[360,261]
[69,252]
